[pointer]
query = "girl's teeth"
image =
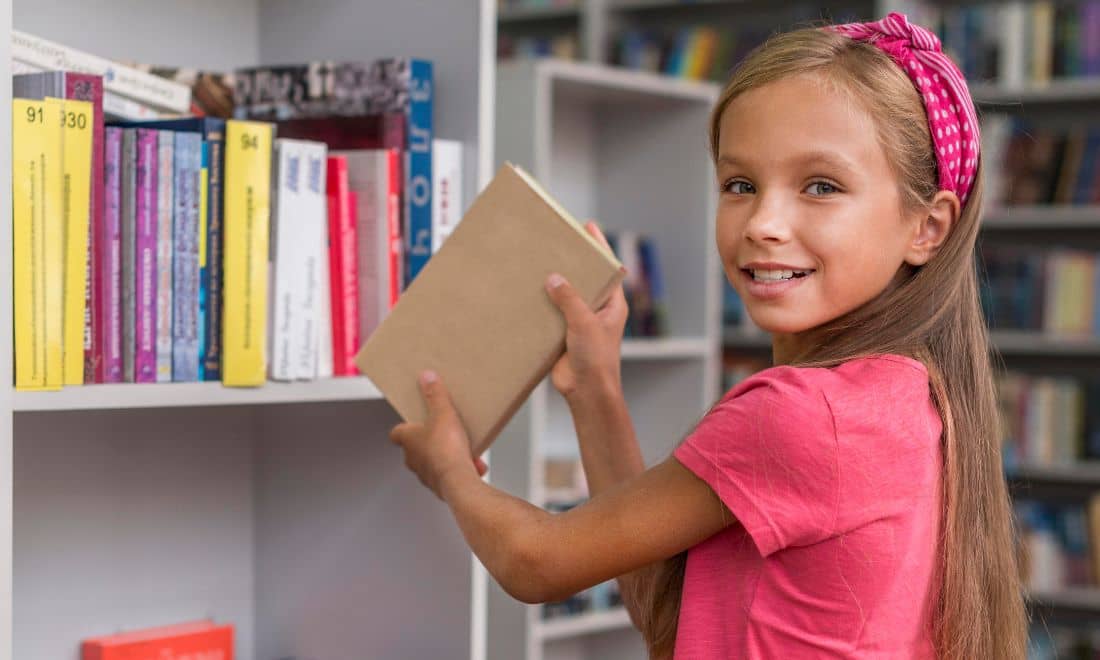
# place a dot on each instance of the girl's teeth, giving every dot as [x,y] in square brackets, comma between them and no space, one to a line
[775,275]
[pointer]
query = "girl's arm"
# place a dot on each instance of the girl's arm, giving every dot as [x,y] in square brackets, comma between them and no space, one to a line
[540,557]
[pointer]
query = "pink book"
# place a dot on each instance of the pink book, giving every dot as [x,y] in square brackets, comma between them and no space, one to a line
[343,268]
[108,278]
[145,259]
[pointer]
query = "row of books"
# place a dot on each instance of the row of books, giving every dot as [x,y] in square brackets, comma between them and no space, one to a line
[195,640]
[696,53]
[504,5]
[141,248]
[565,46]
[1017,43]
[643,285]
[1049,420]
[1050,291]
[1051,642]
[1060,544]
[1033,164]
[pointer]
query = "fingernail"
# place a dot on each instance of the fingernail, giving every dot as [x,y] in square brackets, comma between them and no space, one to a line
[555,280]
[428,377]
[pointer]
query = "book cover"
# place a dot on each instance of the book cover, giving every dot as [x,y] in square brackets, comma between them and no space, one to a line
[145,257]
[247,219]
[76,202]
[185,265]
[28,269]
[109,248]
[479,314]
[54,214]
[198,640]
[211,269]
[166,207]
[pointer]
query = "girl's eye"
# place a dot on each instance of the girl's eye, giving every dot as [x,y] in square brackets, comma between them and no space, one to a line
[823,188]
[738,187]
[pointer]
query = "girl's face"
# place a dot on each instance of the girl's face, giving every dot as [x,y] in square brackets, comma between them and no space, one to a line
[810,224]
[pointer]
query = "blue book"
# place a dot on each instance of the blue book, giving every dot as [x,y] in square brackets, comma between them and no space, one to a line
[418,179]
[185,258]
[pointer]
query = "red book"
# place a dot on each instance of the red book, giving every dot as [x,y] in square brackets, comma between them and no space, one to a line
[381,131]
[343,268]
[196,639]
[393,222]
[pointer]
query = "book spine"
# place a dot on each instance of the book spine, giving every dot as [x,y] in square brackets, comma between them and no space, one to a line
[368,174]
[185,271]
[126,81]
[446,189]
[109,247]
[200,313]
[313,234]
[166,155]
[325,325]
[145,258]
[28,270]
[395,254]
[343,272]
[418,188]
[53,181]
[128,227]
[212,251]
[83,87]
[247,219]
[213,643]
[285,185]
[77,162]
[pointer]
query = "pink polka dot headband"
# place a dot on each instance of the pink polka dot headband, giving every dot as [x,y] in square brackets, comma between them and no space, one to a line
[947,102]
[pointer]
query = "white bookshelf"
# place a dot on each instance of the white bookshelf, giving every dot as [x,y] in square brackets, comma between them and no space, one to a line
[601,140]
[283,510]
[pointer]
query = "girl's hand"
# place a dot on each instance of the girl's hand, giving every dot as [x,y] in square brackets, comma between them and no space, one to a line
[439,446]
[592,339]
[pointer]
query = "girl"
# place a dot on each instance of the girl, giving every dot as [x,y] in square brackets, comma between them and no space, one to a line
[849,501]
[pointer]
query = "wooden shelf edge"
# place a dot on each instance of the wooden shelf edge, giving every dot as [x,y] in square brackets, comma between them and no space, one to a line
[583,624]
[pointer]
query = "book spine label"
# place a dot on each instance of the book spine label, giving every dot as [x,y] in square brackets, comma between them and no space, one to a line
[28,269]
[313,232]
[124,80]
[212,250]
[77,162]
[145,258]
[109,277]
[446,189]
[247,219]
[418,188]
[166,153]
[83,87]
[185,322]
[54,233]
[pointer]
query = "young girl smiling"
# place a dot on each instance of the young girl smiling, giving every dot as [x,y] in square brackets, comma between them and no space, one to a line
[847,502]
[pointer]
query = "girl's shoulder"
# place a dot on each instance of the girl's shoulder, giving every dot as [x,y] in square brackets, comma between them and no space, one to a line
[885,372]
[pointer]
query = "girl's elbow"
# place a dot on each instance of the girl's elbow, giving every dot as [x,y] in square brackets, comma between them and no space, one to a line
[528,577]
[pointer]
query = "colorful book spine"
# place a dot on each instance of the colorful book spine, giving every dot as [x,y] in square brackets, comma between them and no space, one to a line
[109,248]
[185,271]
[166,154]
[204,204]
[29,129]
[212,275]
[53,180]
[247,220]
[418,188]
[127,234]
[145,258]
[343,267]
[77,163]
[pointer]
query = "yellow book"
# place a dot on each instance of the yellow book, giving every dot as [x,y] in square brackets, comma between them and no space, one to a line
[53,180]
[247,218]
[28,249]
[77,164]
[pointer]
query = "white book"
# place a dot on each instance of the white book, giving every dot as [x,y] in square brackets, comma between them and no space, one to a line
[447,205]
[313,246]
[324,306]
[159,93]
[286,212]
[377,218]
[166,155]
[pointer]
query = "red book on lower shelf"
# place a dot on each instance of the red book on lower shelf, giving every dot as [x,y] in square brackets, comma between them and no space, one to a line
[198,640]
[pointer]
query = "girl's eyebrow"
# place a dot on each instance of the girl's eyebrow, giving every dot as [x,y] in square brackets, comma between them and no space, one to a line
[809,158]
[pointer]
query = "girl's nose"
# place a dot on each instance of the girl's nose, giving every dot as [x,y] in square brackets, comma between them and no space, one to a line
[768,223]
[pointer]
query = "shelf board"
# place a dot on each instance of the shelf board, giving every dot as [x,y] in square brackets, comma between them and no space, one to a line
[750,340]
[1082,472]
[606,84]
[176,395]
[1023,342]
[1080,605]
[1057,91]
[523,14]
[665,348]
[1038,218]
[583,624]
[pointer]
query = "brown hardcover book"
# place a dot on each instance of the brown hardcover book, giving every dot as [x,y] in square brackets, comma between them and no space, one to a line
[478,314]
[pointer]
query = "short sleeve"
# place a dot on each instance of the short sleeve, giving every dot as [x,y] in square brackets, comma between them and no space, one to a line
[769,451]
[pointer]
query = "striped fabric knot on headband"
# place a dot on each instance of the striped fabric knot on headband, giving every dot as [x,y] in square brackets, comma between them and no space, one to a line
[951,115]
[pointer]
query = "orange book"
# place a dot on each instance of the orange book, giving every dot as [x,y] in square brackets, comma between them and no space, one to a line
[195,639]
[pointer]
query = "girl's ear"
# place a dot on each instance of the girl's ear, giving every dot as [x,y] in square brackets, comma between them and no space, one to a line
[932,227]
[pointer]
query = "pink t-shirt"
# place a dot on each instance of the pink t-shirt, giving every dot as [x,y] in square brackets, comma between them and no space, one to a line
[834,478]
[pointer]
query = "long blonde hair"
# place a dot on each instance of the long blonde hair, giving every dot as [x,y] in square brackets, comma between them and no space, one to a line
[931,313]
